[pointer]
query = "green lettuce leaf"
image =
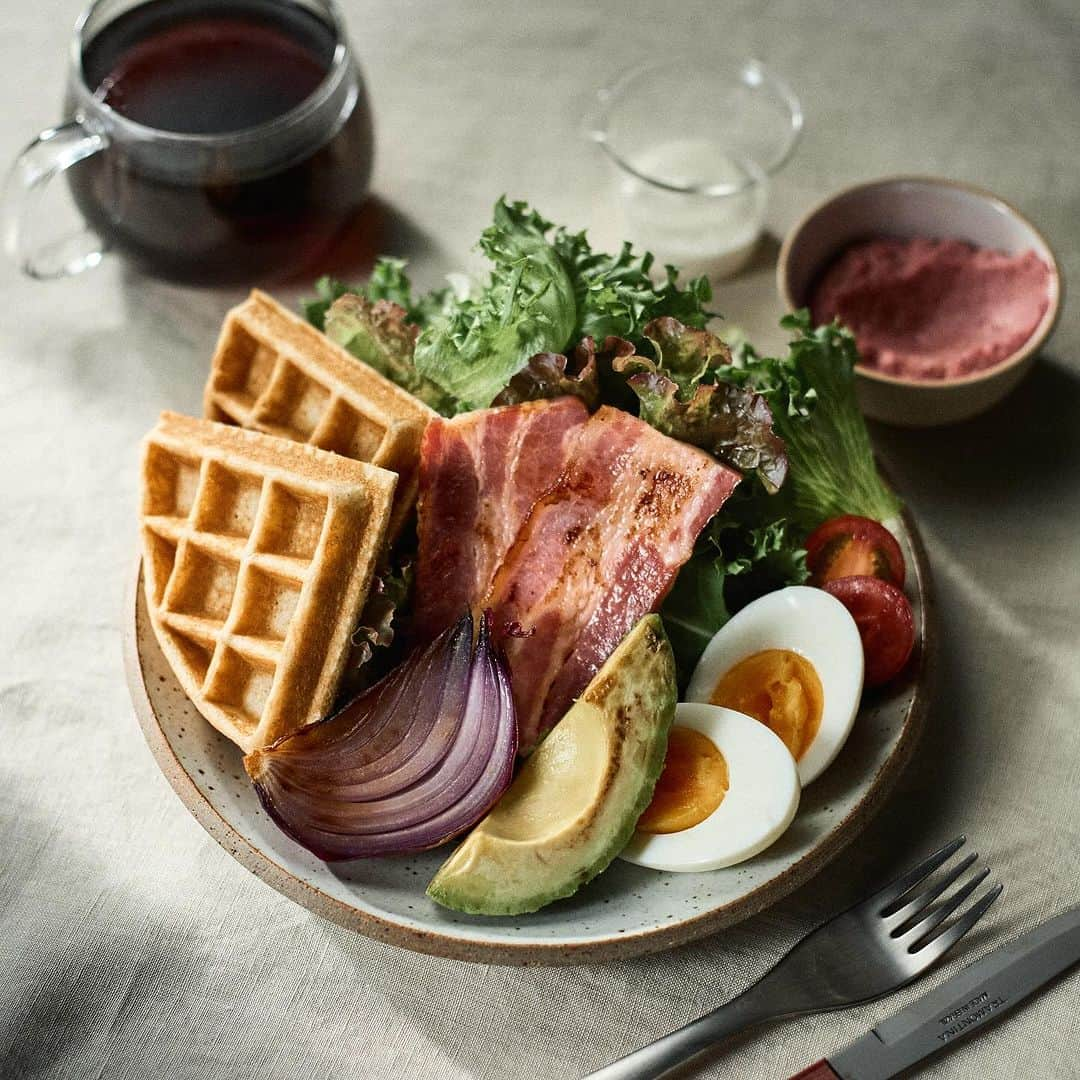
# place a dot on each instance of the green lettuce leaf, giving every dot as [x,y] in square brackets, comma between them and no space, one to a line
[754,544]
[379,334]
[734,562]
[547,289]
[759,557]
[616,296]
[526,307]
[694,610]
[812,395]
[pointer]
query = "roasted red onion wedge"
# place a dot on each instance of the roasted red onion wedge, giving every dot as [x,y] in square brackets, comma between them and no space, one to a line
[412,762]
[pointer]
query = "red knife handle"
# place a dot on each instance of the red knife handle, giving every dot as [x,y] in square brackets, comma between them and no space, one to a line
[822,1070]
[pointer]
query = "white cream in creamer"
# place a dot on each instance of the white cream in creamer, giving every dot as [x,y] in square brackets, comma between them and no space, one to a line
[711,221]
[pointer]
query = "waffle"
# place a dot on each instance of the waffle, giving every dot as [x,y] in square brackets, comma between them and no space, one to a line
[257,554]
[275,373]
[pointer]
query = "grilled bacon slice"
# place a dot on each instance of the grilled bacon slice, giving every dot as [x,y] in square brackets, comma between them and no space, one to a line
[568,529]
[599,550]
[480,475]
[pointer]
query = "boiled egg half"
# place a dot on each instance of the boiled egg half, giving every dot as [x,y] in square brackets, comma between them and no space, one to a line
[729,788]
[793,660]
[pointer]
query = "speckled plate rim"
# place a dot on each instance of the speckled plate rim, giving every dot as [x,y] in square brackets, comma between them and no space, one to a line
[619,947]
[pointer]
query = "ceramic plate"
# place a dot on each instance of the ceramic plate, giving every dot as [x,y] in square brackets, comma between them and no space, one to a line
[627,911]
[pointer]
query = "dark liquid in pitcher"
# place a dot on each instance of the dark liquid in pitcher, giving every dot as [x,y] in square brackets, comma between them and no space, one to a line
[200,67]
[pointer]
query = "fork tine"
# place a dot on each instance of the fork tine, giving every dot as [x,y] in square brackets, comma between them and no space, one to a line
[933,917]
[922,901]
[932,950]
[897,890]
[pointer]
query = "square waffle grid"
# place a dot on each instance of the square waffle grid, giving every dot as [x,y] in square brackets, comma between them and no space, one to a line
[273,372]
[229,554]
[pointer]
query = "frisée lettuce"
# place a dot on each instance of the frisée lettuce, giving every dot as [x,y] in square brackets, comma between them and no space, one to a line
[527,307]
[554,317]
[547,291]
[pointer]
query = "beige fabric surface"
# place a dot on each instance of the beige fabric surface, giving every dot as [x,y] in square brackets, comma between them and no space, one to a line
[131,946]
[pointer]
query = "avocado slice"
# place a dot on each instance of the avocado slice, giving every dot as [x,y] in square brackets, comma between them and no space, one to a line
[574,805]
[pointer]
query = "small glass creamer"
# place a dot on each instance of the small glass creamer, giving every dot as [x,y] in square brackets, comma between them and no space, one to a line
[693,147]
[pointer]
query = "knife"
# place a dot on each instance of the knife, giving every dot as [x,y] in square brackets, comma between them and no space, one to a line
[961,1005]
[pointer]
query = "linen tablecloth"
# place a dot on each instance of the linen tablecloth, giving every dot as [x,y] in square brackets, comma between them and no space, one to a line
[131,945]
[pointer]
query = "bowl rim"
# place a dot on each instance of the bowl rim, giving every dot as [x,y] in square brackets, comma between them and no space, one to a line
[1032,345]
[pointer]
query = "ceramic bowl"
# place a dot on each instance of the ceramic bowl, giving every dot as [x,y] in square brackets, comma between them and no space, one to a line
[911,206]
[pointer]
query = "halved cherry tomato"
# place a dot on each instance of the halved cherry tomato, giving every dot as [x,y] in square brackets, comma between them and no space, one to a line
[885,621]
[853,546]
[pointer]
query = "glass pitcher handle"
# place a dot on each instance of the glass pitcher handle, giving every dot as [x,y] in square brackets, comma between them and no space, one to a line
[50,154]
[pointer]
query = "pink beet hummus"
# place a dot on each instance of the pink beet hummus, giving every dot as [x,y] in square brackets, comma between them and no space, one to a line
[933,309]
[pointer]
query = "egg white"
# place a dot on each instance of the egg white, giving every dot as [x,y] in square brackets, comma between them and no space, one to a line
[818,627]
[761,800]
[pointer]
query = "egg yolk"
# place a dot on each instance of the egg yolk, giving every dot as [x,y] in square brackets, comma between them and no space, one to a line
[782,690]
[691,787]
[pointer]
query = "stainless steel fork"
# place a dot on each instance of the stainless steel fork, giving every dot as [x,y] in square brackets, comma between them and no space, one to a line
[864,953]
